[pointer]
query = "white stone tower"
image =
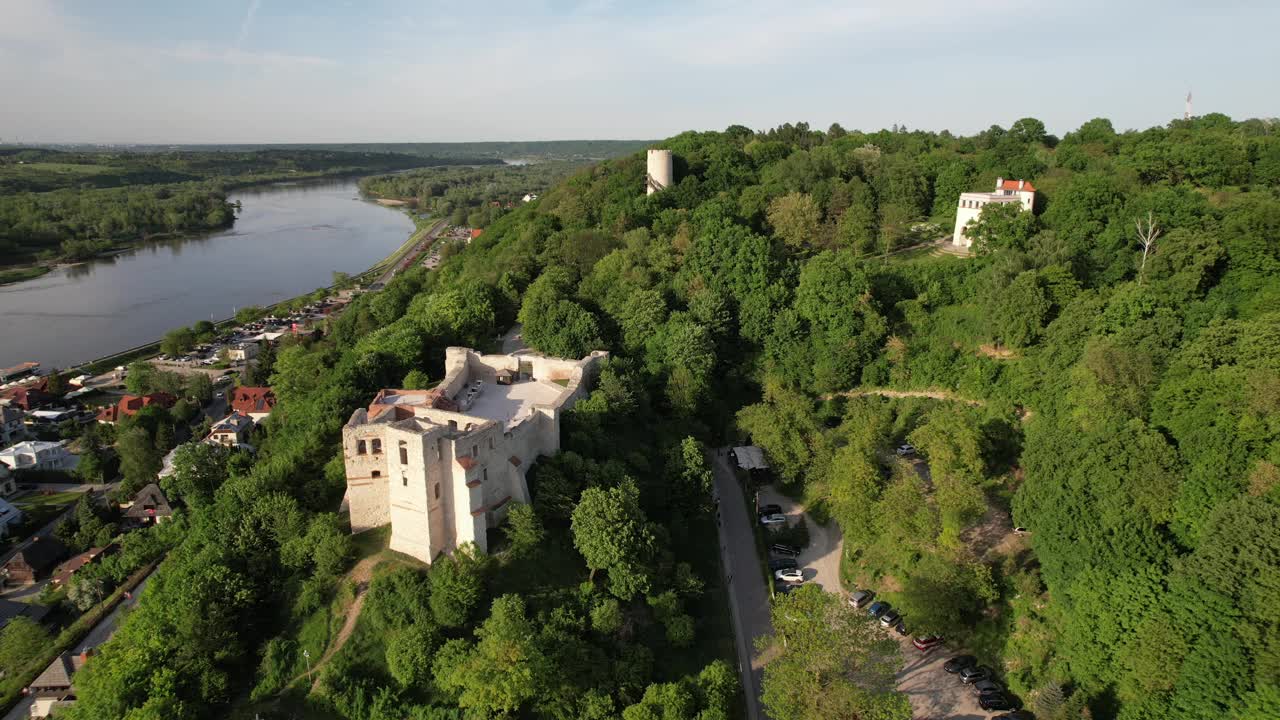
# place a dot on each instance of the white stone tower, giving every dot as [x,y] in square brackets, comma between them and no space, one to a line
[660,172]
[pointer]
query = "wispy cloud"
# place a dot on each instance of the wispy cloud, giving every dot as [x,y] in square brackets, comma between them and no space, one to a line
[247,24]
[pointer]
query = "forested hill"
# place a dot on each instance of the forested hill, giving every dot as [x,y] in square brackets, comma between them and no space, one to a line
[1126,413]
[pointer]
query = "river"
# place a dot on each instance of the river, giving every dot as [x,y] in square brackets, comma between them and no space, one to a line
[287,241]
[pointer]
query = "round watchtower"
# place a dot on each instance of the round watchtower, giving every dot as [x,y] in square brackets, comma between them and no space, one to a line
[660,171]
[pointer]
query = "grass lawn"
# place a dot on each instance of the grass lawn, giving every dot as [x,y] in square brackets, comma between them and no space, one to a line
[22,273]
[36,500]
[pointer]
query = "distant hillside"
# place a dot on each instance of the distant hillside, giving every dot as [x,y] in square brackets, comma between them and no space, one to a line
[505,150]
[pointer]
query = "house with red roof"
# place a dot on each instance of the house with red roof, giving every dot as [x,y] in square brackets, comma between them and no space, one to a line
[256,402]
[27,397]
[129,405]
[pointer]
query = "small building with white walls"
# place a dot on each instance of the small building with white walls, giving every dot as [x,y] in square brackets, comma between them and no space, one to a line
[442,466]
[660,173]
[970,205]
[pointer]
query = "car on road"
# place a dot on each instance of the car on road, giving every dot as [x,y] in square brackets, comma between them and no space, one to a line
[889,619]
[794,575]
[986,687]
[958,663]
[861,598]
[774,519]
[905,449]
[782,563]
[879,608]
[927,643]
[784,549]
[974,673]
[770,509]
[995,701]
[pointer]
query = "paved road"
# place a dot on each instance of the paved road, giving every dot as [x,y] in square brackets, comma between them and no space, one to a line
[748,596]
[100,633]
[421,245]
[821,560]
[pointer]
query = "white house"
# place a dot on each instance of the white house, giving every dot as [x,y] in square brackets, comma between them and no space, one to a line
[444,465]
[243,352]
[38,455]
[970,205]
[231,430]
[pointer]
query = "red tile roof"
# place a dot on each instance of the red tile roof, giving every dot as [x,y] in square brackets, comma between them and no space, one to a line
[253,400]
[26,398]
[129,405]
[1013,185]
[476,233]
[467,462]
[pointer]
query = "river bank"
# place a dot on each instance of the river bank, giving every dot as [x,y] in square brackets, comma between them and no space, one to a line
[288,242]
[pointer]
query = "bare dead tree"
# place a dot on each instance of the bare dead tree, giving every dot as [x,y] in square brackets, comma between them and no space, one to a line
[1148,233]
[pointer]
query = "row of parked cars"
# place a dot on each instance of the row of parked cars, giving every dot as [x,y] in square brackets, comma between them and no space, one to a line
[991,694]
[787,573]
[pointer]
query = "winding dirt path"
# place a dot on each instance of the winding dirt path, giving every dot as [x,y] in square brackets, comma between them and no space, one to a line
[360,574]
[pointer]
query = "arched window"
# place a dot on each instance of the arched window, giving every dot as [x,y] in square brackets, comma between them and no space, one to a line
[360,447]
[375,446]
[404,453]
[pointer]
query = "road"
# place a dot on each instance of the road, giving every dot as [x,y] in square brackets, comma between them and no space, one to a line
[427,238]
[748,596]
[100,633]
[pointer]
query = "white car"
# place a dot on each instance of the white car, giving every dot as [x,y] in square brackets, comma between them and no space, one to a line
[905,449]
[794,575]
[774,519]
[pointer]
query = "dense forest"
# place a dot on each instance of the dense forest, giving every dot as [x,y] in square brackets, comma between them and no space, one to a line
[470,196]
[1119,399]
[72,205]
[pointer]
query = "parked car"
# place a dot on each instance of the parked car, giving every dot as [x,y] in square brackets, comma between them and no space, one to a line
[927,643]
[861,598]
[974,673]
[782,563]
[987,686]
[879,608]
[790,575]
[770,509]
[901,627]
[783,587]
[889,619]
[1021,531]
[994,701]
[774,519]
[783,549]
[905,449]
[1015,715]
[958,663]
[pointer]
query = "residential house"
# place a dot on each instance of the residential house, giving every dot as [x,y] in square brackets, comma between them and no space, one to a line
[39,455]
[129,405]
[969,207]
[9,516]
[231,430]
[27,397]
[11,609]
[33,562]
[52,688]
[443,465]
[243,352]
[149,506]
[62,574]
[475,233]
[256,402]
[12,427]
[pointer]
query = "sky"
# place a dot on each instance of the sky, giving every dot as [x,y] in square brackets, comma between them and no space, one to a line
[273,71]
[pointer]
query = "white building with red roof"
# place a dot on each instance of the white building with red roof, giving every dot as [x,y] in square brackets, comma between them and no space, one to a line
[970,205]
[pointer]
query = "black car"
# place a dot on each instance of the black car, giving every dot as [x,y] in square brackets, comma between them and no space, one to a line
[782,563]
[1015,715]
[782,549]
[901,627]
[974,673]
[986,687]
[994,701]
[770,509]
[959,662]
[783,588]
